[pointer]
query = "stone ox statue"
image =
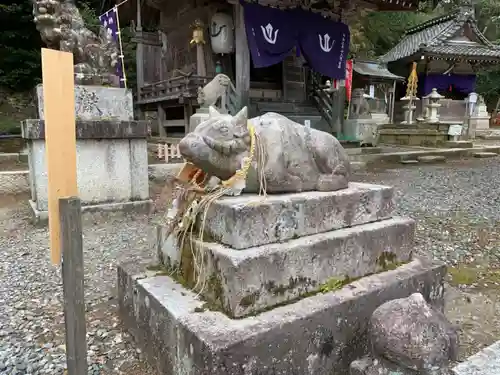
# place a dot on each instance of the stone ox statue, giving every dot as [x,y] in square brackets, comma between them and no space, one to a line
[297,158]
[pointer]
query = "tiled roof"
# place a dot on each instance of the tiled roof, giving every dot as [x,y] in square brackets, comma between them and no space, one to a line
[374,69]
[464,50]
[433,37]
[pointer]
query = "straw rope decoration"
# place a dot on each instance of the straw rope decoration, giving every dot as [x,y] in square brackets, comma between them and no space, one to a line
[192,202]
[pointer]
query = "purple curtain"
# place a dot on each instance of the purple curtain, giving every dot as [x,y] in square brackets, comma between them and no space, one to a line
[324,44]
[271,33]
[442,82]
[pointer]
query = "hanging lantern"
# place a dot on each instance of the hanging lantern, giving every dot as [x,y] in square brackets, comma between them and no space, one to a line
[222,33]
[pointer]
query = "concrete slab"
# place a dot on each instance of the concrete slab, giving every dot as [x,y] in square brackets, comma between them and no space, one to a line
[485,362]
[409,162]
[248,220]
[295,268]
[318,335]
[485,154]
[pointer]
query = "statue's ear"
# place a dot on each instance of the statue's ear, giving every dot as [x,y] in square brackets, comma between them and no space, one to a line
[212,112]
[241,118]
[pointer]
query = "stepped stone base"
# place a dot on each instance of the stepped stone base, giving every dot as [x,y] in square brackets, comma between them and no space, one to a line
[247,221]
[243,282]
[318,335]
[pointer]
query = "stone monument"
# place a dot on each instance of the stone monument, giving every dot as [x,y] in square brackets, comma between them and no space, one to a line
[112,158]
[61,27]
[210,95]
[363,121]
[480,119]
[409,108]
[283,283]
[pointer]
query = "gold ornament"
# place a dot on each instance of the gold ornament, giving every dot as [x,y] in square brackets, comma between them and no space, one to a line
[198,37]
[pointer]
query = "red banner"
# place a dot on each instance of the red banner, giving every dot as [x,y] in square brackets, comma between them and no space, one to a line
[348,79]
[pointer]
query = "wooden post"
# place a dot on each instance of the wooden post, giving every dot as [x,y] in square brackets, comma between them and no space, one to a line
[393,103]
[60,136]
[161,118]
[73,289]
[242,72]
[139,53]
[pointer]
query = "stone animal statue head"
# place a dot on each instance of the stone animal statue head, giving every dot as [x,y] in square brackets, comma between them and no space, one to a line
[219,144]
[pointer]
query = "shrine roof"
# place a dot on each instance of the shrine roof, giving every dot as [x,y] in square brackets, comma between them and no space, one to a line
[455,34]
[374,69]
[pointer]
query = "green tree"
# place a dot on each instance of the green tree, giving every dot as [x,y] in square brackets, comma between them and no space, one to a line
[19,46]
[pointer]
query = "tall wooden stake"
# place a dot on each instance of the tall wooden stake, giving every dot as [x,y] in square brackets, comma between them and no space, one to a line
[72,273]
[60,137]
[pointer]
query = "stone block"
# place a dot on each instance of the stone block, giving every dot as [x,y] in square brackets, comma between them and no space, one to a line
[243,282]
[459,144]
[485,362]
[97,103]
[112,163]
[318,335]
[410,162]
[248,220]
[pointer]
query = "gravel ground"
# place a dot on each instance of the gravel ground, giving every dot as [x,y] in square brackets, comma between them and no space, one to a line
[455,204]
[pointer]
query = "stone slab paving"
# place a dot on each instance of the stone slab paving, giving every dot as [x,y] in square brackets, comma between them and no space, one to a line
[486,362]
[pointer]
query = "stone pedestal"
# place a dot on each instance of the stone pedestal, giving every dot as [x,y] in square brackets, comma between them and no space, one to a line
[286,284]
[112,159]
[481,118]
[196,119]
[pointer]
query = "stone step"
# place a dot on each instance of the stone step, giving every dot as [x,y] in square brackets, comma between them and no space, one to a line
[244,282]
[485,362]
[321,334]
[485,154]
[429,159]
[249,220]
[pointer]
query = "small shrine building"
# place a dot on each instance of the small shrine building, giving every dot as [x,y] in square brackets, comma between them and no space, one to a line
[449,50]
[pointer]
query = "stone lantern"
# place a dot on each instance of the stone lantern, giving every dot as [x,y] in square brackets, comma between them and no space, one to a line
[433,105]
[409,108]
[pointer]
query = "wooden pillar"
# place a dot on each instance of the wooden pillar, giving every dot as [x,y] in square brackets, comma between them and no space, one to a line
[139,56]
[201,67]
[139,59]
[161,119]
[392,103]
[188,112]
[242,72]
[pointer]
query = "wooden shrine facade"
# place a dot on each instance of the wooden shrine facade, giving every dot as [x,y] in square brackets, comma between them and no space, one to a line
[169,71]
